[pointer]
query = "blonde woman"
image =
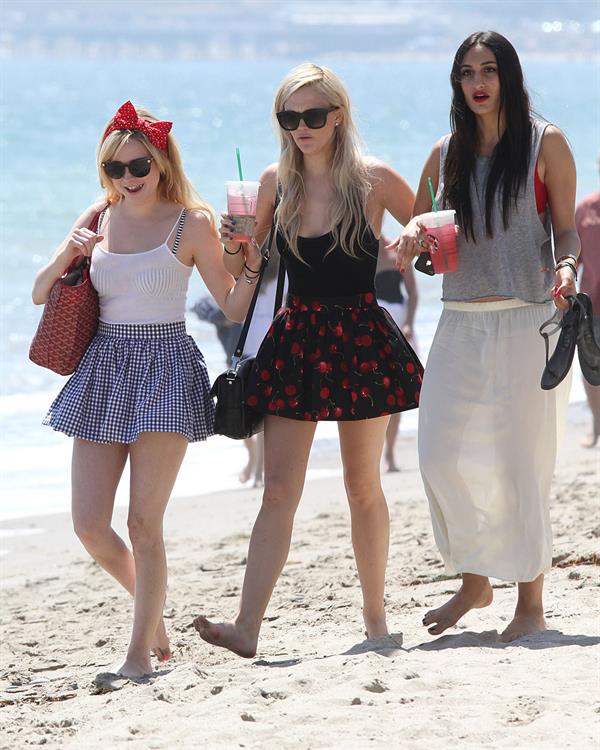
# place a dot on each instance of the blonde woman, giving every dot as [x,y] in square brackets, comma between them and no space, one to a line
[332,353]
[141,390]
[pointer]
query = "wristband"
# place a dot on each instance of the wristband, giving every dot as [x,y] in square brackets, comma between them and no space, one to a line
[566,264]
[251,270]
[234,253]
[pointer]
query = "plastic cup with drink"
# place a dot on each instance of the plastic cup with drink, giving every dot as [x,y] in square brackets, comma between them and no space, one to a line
[441,226]
[241,206]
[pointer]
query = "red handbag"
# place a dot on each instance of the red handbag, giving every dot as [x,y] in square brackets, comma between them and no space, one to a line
[70,318]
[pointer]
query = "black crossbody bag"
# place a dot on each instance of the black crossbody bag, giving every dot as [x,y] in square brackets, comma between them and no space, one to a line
[233,417]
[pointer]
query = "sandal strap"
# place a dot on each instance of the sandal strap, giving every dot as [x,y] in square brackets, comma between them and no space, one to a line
[556,321]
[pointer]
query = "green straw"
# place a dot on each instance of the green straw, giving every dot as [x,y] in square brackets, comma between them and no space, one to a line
[239,162]
[433,203]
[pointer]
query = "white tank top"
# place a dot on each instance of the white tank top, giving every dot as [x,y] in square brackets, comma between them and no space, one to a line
[144,287]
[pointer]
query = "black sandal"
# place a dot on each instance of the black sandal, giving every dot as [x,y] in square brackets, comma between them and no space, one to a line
[587,346]
[559,364]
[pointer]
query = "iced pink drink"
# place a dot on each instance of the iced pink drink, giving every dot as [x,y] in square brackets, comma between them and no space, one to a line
[241,206]
[440,224]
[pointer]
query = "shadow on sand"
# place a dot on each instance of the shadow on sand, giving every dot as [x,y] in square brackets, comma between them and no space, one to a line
[491,639]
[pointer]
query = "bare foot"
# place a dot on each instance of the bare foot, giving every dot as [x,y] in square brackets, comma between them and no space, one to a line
[391,463]
[589,441]
[375,627]
[161,648]
[131,668]
[467,598]
[525,624]
[245,473]
[226,635]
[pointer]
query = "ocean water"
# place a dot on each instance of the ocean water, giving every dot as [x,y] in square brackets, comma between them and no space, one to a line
[52,114]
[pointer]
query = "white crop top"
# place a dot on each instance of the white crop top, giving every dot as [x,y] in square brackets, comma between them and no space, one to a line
[144,287]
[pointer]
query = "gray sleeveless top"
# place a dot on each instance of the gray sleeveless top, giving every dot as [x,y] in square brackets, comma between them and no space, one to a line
[512,263]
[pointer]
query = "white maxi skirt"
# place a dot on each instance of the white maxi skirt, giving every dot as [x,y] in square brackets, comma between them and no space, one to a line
[488,437]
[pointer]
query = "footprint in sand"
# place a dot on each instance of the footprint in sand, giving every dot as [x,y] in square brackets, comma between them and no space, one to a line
[376,687]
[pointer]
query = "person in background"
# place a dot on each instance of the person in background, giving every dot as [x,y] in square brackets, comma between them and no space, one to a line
[488,433]
[397,293]
[228,331]
[141,391]
[587,219]
[261,321]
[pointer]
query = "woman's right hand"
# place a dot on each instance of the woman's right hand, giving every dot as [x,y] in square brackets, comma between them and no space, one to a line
[413,241]
[227,230]
[81,242]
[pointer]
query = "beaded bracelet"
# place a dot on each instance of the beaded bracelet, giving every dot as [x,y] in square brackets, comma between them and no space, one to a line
[250,279]
[235,253]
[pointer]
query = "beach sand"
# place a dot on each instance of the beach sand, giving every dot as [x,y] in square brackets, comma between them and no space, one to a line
[315,683]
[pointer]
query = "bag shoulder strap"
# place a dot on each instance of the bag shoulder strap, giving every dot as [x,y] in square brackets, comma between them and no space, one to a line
[239,349]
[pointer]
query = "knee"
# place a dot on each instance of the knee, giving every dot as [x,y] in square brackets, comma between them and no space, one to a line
[363,492]
[91,533]
[144,535]
[278,497]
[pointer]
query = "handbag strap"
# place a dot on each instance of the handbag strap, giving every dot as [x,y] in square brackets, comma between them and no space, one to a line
[280,285]
[239,349]
[93,227]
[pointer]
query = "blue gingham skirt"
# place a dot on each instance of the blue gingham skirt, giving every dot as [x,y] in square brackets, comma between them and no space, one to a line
[136,378]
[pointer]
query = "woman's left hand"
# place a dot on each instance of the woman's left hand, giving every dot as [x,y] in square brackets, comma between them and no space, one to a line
[564,286]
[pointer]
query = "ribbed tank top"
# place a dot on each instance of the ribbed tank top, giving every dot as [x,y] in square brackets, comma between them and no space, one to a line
[330,273]
[516,262]
[144,287]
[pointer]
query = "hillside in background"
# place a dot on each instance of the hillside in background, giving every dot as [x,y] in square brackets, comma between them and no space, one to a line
[249,29]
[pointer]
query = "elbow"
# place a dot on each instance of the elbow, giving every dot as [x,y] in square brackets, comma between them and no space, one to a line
[235,317]
[37,297]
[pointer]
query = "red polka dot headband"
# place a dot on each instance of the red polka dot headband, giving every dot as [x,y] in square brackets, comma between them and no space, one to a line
[126,118]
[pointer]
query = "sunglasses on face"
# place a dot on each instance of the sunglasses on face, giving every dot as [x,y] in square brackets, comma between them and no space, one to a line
[137,167]
[313,118]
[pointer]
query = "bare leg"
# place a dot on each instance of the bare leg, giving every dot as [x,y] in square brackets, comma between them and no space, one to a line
[593,397]
[155,459]
[475,593]
[361,444]
[96,471]
[248,470]
[390,442]
[529,613]
[260,460]
[287,447]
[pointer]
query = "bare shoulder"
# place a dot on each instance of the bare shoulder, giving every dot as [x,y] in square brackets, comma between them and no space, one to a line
[84,219]
[268,180]
[554,141]
[198,223]
[378,170]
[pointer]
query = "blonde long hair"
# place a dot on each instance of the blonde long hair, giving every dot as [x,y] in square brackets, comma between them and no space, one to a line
[173,185]
[348,170]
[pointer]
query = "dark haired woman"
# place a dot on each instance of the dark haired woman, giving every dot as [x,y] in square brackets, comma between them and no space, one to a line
[487,431]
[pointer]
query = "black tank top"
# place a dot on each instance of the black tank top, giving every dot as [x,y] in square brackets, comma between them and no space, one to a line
[333,273]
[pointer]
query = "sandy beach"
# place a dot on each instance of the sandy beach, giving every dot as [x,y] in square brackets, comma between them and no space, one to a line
[315,683]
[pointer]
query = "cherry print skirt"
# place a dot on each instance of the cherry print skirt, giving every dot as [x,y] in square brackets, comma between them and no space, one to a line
[334,358]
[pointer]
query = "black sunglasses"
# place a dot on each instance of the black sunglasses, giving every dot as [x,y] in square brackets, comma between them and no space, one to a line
[313,118]
[137,167]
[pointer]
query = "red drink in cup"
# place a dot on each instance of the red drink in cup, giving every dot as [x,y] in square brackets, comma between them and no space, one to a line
[241,206]
[440,224]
